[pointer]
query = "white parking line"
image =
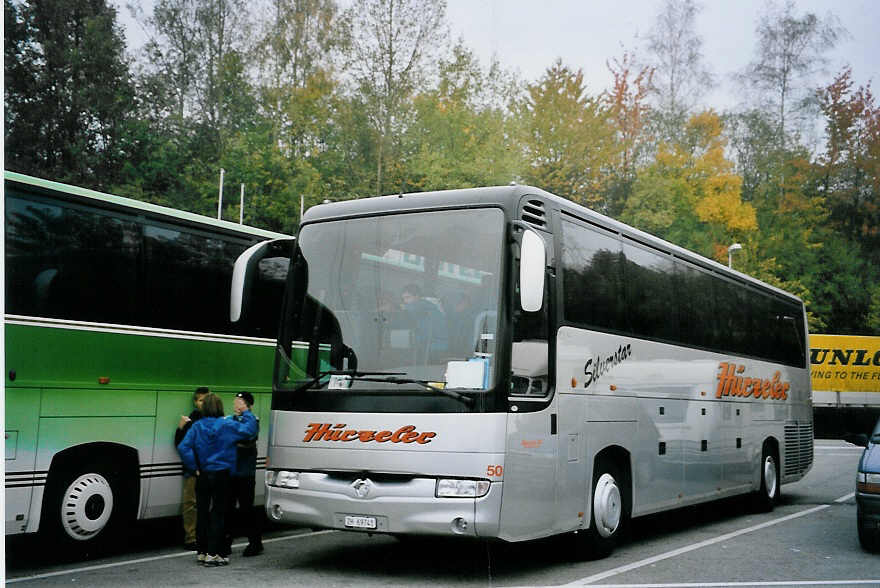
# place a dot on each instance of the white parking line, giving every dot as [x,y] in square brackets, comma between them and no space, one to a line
[147,559]
[729,584]
[706,543]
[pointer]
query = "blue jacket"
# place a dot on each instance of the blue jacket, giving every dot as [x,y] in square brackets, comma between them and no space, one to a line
[209,445]
[245,452]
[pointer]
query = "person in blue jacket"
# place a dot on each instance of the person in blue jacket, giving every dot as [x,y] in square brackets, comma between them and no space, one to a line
[209,449]
[242,485]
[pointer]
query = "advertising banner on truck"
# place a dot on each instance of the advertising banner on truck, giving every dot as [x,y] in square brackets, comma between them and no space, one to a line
[845,363]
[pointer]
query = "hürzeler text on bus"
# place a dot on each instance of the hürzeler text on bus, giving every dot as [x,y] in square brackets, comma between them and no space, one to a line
[730,384]
[565,371]
[330,432]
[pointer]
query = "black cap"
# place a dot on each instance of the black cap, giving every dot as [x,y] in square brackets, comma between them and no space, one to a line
[247,397]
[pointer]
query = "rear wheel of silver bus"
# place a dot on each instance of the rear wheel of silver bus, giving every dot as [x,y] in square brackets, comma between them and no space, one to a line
[767,496]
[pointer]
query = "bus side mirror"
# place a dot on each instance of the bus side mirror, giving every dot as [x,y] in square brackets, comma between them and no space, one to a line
[531,271]
[247,270]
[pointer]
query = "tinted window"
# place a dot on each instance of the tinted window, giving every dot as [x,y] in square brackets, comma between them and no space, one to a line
[791,347]
[70,263]
[592,287]
[188,278]
[651,303]
[733,305]
[696,306]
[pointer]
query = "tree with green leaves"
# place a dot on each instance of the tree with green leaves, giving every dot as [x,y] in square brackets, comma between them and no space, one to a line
[691,193]
[790,51]
[681,77]
[568,136]
[460,135]
[873,322]
[196,54]
[849,166]
[393,45]
[295,58]
[68,91]
[630,114]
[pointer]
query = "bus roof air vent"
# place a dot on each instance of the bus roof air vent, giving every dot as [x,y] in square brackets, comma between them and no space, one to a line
[534,214]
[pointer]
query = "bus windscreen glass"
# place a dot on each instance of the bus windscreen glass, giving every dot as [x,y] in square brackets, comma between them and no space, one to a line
[405,299]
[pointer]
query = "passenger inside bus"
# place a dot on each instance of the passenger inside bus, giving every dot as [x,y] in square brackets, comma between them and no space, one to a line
[430,335]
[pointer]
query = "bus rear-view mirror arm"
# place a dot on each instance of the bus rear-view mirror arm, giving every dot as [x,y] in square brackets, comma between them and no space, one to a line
[245,272]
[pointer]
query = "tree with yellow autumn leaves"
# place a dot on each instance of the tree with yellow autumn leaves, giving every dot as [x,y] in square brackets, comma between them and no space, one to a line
[691,194]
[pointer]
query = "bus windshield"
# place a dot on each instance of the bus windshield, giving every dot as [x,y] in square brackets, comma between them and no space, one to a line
[404,303]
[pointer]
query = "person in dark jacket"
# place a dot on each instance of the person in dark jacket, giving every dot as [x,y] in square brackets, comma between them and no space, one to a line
[209,449]
[242,484]
[188,500]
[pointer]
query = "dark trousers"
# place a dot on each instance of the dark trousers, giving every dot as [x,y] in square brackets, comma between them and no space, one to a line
[244,520]
[212,496]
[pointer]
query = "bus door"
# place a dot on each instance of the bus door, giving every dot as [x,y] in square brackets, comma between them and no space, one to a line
[529,501]
[22,417]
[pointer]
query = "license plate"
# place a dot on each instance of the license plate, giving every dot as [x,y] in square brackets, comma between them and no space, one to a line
[360,522]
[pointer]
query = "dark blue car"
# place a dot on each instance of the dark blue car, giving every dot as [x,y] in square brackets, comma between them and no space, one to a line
[868,491]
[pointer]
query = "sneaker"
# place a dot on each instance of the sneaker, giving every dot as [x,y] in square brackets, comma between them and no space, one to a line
[200,558]
[216,560]
[253,549]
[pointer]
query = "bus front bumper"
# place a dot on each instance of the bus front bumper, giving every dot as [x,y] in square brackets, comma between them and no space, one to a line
[398,507]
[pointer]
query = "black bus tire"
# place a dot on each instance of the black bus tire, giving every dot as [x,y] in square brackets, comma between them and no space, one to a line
[767,496]
[85,507]
[608,512]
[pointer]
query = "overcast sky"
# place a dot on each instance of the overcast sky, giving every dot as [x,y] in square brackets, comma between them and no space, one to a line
[528,35]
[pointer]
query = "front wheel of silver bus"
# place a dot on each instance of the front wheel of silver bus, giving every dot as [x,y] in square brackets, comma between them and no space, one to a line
[609,512]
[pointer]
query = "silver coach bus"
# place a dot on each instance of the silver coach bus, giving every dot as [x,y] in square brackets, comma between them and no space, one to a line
[504,363]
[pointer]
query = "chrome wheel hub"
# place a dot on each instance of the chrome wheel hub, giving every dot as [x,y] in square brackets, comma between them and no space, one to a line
[770,476]
[607,506]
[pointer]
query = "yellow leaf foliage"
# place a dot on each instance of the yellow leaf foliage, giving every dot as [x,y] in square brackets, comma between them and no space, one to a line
[728,210]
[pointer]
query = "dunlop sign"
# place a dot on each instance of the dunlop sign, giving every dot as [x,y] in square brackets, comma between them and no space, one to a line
[844,363]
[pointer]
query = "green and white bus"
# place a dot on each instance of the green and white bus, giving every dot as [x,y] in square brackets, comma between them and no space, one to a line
[116,310]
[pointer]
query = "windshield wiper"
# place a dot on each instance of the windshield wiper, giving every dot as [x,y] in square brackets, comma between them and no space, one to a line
[388,379]
[424,384]
[353,374]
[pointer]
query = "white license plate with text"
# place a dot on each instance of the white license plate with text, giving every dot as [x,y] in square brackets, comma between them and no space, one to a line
[360,522]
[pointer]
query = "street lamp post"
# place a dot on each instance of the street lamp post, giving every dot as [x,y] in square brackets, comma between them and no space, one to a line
[730,250]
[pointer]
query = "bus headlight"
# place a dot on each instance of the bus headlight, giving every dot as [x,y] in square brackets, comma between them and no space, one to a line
[282,478]
[450,488]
